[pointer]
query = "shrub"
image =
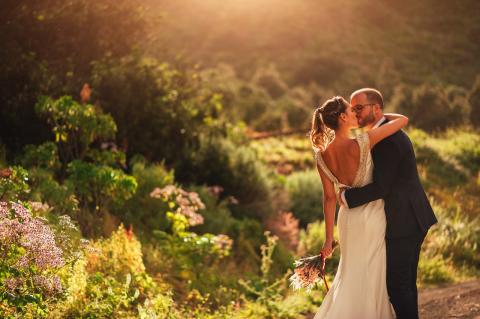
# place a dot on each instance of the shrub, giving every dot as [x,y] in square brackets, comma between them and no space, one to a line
[270,79]
[44,156]
[111,281]
[30,262]
[474,99]
[306,195]
[141,210]
[43,164]
[191,256]
[265,291]
[13,183]
[455,238]
[237,170]
[75,126]
[169,105]
[434,270]
[217,216]
[431,108]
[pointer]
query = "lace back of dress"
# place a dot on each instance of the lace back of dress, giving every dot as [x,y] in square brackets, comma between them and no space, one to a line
[365,167]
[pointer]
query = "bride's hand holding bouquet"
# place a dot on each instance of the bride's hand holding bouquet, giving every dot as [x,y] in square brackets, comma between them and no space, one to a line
[309,270]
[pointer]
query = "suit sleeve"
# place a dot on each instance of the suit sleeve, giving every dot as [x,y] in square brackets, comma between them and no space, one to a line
[386,158]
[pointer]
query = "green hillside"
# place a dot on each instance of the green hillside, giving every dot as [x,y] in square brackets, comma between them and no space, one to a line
[339,44]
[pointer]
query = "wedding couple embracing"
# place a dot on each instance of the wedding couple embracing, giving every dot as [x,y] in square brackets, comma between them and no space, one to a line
[384,214]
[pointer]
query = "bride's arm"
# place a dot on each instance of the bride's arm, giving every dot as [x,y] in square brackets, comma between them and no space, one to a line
[397,122]
[329,207]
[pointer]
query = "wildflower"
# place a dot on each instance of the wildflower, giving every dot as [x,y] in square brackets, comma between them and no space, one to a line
[223,242]
[215,190]
[39,206]
[188,203]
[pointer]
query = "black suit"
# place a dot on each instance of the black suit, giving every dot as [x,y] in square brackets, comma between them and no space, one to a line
[408,213]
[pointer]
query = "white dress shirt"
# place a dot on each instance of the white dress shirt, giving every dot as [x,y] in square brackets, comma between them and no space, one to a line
[342,193]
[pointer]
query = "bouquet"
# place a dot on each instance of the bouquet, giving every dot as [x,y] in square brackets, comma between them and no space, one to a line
[308,271]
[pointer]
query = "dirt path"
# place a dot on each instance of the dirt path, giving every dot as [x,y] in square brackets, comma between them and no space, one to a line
[452,301]
[448,302]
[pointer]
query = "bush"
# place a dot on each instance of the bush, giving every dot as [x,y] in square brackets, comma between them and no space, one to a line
[141,210]
[192,257]
[431,108]
[440,170]
[264,290]
[474,99]
[270,79]
[110,281]
[75,126]
[13,184]
[455,238]
[306,196]
[217,216]
[30,263]
[237,170]
[160,111]
[434,270]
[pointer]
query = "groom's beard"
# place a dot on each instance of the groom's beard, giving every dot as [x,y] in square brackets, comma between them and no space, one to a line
[366,121]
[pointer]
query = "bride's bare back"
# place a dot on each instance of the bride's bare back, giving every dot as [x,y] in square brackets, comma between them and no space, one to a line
[342,157]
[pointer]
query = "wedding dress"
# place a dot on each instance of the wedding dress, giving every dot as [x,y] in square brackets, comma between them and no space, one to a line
[359,290]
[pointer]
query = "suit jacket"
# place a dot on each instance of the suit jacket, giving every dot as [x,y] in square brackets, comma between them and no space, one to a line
[395,179]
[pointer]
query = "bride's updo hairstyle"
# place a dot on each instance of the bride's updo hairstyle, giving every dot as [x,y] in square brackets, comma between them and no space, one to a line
[325,122]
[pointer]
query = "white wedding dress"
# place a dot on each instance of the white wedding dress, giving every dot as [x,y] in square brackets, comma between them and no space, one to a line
[359,290]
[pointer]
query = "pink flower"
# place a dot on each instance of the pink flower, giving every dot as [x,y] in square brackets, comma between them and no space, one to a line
[188,203]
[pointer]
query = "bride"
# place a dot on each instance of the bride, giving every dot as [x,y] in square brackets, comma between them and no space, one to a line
[359,290]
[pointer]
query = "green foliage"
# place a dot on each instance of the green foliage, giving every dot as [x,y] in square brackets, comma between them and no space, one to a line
[42,163]
[270,79]
[152,103]
[285,154]
[110,281]
[44,155]
[75,126]
[97,185]
[264,290]
[29,264]
[237,170]
[141,210]
[306,195]
[13,184]
[455,238]
[192,257]
[217,215]
[439,167]
[474,99]
[432,108]
[434,270]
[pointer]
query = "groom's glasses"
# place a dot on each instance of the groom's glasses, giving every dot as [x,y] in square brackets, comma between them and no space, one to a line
[359,107]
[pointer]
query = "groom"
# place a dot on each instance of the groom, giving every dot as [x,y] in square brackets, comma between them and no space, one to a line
[408,212]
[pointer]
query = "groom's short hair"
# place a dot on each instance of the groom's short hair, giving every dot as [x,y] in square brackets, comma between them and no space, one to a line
[373,95]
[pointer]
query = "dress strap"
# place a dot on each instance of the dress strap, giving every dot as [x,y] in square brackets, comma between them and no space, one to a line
[324,167]
[364,144]
[363,141]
